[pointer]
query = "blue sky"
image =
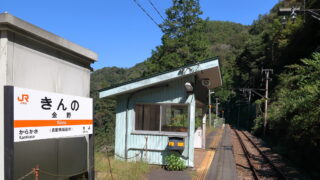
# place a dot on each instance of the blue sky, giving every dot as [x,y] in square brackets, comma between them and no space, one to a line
[118,30]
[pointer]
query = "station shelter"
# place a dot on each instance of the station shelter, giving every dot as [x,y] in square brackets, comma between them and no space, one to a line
[169,106]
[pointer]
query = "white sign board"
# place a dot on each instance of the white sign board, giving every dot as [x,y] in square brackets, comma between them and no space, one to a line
[198,138]
[44,115]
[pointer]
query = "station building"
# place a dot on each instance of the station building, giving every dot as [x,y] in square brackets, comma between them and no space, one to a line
[166,107]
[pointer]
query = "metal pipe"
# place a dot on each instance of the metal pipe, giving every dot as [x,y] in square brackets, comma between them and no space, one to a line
[142,149]
[209,108]
[126,134]
[217,111]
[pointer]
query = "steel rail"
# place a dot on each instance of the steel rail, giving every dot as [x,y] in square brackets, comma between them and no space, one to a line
[279,172]
[255,175]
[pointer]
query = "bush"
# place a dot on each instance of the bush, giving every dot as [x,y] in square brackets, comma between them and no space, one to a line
[174,162]
[293,115]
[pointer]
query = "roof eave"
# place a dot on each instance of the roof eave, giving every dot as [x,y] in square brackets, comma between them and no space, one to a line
[144,83]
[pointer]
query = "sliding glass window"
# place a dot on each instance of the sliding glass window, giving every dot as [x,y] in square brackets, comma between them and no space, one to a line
[161,117]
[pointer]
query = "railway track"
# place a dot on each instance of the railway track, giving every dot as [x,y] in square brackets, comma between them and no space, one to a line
[277,173]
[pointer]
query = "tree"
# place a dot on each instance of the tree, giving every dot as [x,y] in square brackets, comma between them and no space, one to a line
[184,40]
[181,18]
[294,115]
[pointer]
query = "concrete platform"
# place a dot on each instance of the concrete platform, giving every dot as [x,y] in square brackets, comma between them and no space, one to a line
[212,140]
[162,174]
[223,165]
[202,160]
[199,156]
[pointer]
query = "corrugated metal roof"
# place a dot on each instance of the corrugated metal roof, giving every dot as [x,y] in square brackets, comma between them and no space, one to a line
[157,74]
[208,69]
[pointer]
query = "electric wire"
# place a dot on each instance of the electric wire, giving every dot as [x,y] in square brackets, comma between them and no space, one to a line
[139,5]
[63,175]
[154,7]
[26,175]
[33,171]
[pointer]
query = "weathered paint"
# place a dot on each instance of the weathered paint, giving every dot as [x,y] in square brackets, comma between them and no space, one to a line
[35,59]
[3,81]
[173,92]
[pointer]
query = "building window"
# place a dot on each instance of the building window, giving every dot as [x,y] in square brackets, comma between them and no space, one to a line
[174,118]
[161,117]
[147,117]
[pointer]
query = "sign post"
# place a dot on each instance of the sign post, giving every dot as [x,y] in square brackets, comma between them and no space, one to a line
[8,132]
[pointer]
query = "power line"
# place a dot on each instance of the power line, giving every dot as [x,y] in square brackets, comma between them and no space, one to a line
[154,7]
[146,12]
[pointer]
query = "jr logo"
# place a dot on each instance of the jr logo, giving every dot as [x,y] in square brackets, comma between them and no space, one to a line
[24,99]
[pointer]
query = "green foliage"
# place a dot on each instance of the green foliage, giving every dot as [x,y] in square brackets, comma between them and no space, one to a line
[187,38]
[243,51]
[174,162]
[179,120]
[104,109]
[227,42]
[199,115]
[182,17]
[198,122]
[272,45]
[184,40]
[298,97]
[294,114]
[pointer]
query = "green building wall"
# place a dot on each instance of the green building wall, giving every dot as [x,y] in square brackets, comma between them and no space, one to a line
[171,92]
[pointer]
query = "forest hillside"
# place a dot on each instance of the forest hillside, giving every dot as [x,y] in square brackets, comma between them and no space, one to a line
[291,48]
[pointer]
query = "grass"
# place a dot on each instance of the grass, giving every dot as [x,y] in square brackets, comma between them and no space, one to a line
[121,170]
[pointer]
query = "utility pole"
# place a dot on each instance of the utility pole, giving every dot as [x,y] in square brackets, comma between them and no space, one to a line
[217,111]
[209,99]
[249,104]
[266,96]
[267,72]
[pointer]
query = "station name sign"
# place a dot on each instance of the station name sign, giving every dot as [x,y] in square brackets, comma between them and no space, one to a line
[45,115]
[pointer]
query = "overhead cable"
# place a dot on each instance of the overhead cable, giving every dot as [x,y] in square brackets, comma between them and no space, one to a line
[146,12]
[154,7]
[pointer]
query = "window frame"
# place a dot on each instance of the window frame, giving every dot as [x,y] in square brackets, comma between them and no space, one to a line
[160,132]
